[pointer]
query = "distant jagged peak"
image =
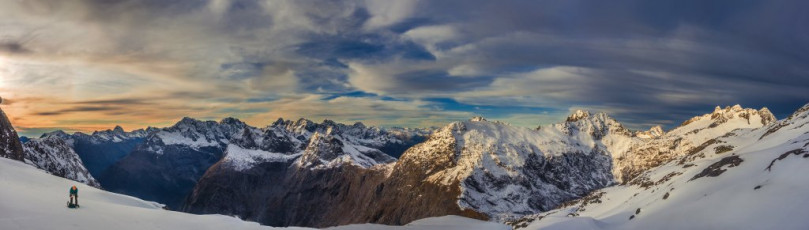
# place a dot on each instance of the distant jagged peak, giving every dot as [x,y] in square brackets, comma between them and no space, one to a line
[597,125]
[187,120]
[657,129]
[765,113]
[57,133]
[359,125]
[328,122]
[738,111]
[801,112]
[654,132]
[578,115]
[477,118]
[728,118]
[188,123]
[279,122]
[303,122]
[232,121]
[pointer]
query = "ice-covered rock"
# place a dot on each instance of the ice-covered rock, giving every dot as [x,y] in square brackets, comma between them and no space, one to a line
[57,157]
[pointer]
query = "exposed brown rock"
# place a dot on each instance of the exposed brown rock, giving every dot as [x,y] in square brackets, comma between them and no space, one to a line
[286,195]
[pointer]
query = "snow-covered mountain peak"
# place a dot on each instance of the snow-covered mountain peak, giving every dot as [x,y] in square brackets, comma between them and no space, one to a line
[118,129]
[196,133]
[327,149]
[186,121]
[359,125]
[57,133]
[232,121]
[713,170]
[596,125]
[690,137]
[654,132]
[726,120]
[477,118]
[730,112]
[801,112]
[279,122]
[493,160]
[578,115]
[323,144]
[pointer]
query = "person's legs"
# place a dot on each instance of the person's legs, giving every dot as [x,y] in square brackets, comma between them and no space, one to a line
[71,199]
[77,199]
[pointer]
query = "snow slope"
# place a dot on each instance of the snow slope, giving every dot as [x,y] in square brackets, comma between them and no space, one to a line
[751,178]
[33,199]
[442,223]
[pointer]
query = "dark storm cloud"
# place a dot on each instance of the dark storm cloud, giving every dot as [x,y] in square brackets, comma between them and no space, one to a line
[12,47]
[123,102]
[78,109]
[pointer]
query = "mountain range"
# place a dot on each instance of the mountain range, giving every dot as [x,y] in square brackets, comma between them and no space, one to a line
[302,173]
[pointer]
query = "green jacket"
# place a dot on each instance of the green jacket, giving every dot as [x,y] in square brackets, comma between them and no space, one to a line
[74,191]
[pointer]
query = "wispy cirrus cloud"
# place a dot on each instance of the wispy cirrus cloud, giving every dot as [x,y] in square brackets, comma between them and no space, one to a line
[86,65]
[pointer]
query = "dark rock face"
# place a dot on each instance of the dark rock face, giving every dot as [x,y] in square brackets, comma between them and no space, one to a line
[10,146]
[98,156]
[282,194]
[406,196]
[320,173]
[166,178]
[166,166]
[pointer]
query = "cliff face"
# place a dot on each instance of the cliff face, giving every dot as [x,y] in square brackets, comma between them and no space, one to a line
[286,193]
[300,174]
[57,157]
[10,146]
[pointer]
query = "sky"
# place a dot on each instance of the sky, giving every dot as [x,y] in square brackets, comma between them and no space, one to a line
[90,65]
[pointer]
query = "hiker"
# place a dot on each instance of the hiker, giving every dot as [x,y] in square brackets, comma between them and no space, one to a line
[74,195]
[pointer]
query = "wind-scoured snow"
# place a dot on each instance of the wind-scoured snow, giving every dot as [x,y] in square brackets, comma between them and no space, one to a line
[750,178]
